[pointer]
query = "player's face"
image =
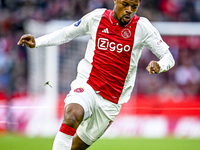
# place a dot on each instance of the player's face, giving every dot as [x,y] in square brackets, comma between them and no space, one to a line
[124,10]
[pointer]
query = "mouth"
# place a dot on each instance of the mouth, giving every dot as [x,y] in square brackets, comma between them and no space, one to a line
[126,18]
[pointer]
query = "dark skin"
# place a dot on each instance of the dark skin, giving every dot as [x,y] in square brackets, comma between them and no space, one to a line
[123,11]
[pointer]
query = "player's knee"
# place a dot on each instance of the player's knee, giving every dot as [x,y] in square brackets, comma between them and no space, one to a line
[71,120]
[73,115]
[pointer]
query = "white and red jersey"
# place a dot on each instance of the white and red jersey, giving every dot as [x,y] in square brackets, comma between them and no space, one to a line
[113,51]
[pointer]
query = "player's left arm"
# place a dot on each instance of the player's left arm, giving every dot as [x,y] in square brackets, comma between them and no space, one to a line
[165,63]
[154,42]
[161,51]
[153,67]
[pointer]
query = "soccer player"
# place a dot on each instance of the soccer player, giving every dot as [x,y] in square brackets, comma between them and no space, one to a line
[106,74]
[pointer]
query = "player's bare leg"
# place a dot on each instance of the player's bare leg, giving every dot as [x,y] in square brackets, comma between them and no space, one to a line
[73,116]
[78,144]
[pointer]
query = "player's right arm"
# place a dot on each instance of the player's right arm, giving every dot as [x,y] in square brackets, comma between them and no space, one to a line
[55,38]
[61,36]
[64,35]
[27,40]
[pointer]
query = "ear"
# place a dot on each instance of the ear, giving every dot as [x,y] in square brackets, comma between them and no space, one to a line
[115,1]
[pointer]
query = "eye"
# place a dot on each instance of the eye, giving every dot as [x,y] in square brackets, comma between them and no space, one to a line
[134,7]
[125,4]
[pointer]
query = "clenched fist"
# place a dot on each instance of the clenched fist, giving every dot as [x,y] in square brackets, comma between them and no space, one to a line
[153,67]
[28,40]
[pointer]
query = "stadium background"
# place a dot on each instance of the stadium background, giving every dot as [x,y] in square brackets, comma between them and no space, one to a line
[164,105]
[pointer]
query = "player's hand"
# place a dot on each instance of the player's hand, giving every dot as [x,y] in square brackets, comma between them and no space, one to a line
[153,67]
[28,40]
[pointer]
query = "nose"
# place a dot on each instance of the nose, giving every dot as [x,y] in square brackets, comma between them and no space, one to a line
[128,9]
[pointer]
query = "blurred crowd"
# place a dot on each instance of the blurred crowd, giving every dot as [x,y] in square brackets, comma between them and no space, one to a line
[183,79]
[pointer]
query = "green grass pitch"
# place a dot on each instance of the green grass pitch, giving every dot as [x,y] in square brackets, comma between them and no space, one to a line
[14,142]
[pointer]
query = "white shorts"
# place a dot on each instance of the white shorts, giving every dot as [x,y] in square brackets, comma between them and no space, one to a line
[99,112]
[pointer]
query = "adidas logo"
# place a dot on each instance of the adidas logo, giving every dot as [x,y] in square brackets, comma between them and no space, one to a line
[105,30]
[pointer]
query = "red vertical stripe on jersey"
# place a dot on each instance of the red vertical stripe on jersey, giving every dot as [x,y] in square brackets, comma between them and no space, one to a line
[112,56]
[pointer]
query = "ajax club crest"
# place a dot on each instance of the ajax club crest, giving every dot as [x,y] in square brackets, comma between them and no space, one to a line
[79,90]
[126,33]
